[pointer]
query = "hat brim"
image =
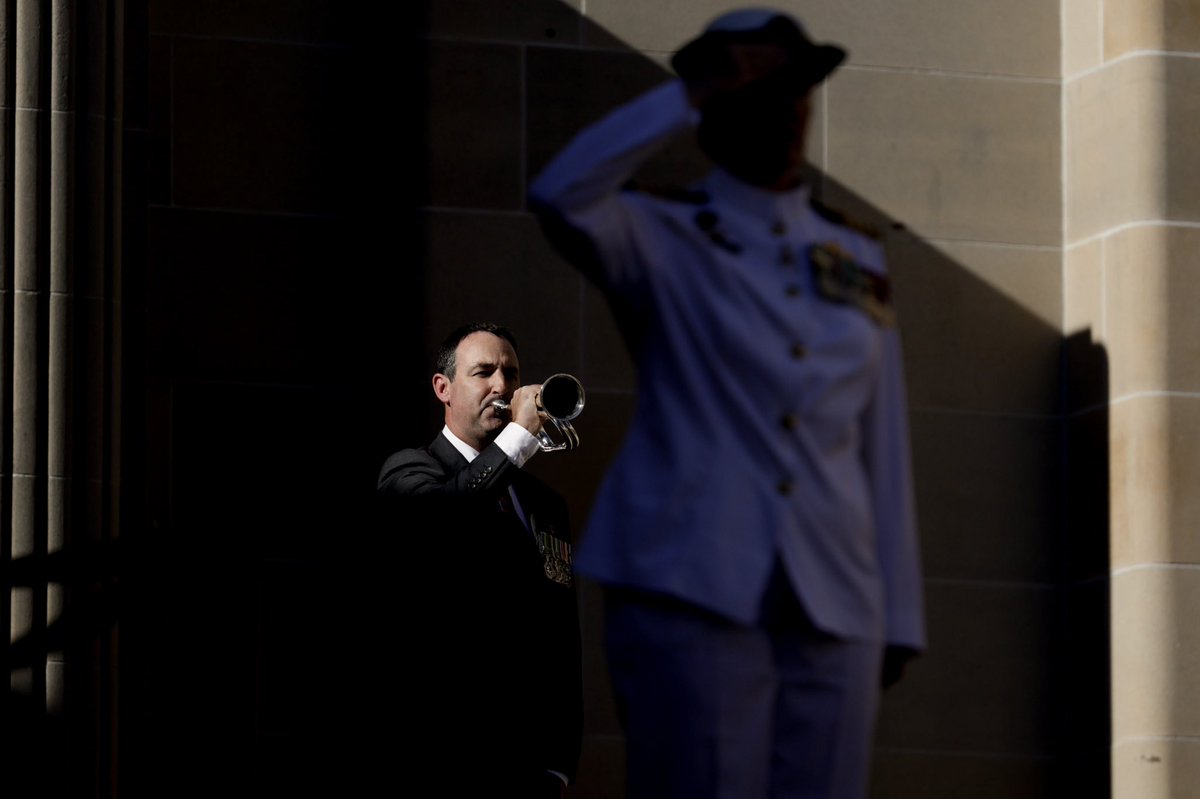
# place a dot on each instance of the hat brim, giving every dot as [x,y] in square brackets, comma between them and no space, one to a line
[707,56]
[823,59]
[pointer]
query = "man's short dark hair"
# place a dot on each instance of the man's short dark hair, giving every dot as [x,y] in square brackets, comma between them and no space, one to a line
[447,362]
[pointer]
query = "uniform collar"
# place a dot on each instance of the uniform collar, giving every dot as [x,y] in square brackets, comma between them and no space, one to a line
[754,200]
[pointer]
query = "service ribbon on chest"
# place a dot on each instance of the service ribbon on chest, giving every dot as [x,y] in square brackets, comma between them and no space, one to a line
[839,278]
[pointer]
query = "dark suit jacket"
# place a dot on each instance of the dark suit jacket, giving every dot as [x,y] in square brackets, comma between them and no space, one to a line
[496,640]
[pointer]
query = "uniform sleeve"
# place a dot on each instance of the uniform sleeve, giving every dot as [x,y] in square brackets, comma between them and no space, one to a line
[577,196]
[889,468]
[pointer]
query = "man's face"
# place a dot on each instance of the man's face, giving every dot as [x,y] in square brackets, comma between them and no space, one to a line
[760,134]
[485,369]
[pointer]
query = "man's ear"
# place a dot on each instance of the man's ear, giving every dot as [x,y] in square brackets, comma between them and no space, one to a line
[441,387]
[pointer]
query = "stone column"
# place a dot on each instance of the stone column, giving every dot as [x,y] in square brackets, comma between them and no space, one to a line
[1133,234]
[60,333]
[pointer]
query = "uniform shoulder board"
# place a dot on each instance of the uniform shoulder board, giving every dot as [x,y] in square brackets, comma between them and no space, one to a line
[841,218]
[679,194]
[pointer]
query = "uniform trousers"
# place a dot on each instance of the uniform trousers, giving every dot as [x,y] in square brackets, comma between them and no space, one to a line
[713,709]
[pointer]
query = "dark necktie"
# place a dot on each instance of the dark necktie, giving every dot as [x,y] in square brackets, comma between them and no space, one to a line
[508,508]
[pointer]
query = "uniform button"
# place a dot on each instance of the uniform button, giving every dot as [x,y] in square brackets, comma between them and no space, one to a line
[784,487]
[788,421]
[786,256]
[799,351]
[792,290]
[779,228]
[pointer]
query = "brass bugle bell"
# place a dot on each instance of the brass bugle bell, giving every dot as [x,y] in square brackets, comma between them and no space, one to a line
[561,399]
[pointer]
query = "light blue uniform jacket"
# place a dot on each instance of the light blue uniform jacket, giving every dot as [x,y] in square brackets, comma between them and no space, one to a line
[771,421]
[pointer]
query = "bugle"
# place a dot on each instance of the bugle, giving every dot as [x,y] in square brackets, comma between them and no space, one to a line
[561,398]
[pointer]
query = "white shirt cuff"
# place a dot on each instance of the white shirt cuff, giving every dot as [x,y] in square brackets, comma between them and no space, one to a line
[518,443]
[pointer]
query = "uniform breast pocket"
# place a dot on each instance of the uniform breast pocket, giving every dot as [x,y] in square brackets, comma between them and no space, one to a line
[847,360]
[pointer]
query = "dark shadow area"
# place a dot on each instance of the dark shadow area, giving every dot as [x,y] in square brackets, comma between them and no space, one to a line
[283,299]
[43,748]
[1086,714]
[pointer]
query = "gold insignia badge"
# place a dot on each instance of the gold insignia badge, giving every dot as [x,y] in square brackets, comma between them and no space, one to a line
[839,278]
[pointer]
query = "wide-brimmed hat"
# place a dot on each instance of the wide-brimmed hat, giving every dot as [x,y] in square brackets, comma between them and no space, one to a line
[808,62]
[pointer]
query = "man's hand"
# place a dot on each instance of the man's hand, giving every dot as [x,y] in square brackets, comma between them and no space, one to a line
[895,658]
[524,408]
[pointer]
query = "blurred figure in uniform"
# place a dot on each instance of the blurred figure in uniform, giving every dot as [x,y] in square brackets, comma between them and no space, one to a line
[755,535]
[495,646]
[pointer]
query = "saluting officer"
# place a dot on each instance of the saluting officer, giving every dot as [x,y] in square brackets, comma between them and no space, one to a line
[756,533]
